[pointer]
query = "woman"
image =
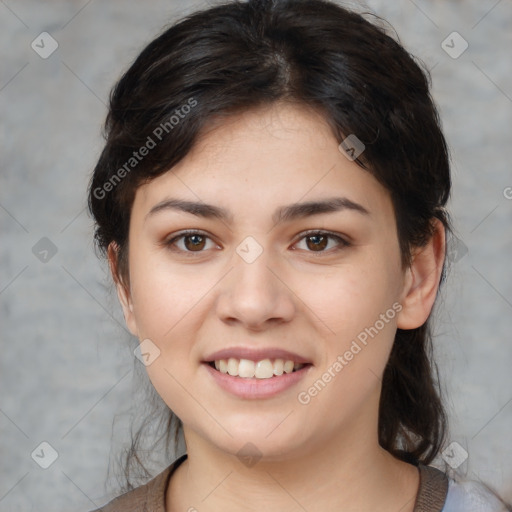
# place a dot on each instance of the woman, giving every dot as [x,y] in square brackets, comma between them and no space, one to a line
[271,199]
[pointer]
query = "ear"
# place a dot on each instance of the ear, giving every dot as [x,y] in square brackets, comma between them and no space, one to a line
[123,289]
[422,280]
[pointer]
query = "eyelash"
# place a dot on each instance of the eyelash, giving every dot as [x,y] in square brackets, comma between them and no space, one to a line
[184,234]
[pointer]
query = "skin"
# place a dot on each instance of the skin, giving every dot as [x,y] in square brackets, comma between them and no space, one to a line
[313,301]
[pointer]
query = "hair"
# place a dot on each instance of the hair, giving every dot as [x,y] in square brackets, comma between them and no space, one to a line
[237,56]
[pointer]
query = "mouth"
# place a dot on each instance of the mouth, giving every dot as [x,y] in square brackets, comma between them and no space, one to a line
[261,369]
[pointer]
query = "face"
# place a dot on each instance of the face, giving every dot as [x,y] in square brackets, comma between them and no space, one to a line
[254,273]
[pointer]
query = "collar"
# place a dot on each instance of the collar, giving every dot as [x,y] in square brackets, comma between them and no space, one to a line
[150,497]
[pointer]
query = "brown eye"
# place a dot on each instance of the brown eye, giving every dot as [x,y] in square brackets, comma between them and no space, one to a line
[190,242]
[197,242]
[318,241]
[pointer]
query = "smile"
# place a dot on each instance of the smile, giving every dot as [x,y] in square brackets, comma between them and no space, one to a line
[252,387]
[263,369]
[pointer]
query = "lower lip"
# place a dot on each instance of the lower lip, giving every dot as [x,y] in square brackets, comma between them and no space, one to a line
[256,388]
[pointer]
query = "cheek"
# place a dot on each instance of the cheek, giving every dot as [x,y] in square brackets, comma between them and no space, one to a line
[357,305]
[162,297]
[358,310]
[351,297]
[164,304]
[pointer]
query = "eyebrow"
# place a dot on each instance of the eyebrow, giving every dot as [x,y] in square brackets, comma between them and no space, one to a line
[282,214]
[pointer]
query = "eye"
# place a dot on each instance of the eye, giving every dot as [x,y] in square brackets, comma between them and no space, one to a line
[190,241]
[317,241]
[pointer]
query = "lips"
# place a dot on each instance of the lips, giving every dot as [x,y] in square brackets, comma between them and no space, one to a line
[256,388]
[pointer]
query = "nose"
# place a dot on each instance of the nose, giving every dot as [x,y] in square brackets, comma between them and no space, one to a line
[255,295]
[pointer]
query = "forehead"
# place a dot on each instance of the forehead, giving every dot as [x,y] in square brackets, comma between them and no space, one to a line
[261,158]
[295,132]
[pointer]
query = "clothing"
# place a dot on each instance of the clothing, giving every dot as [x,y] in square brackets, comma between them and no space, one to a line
[436,493]
[470,496]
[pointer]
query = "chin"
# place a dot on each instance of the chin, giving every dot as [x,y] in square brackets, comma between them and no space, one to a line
[257,444]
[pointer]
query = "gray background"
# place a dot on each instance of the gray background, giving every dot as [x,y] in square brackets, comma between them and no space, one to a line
[67,366]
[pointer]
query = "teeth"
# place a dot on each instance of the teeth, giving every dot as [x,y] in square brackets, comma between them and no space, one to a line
[245,368]
[288,367]
[278,367]
[264,369]
[232,366]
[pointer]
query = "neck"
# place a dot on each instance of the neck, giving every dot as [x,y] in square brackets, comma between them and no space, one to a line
[343,473]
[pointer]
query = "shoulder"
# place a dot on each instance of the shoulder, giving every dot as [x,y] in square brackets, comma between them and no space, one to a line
[147,497]
[138,499]
[471,496]
[439,492]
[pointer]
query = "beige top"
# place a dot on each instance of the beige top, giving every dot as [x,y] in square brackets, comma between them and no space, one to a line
[151,496]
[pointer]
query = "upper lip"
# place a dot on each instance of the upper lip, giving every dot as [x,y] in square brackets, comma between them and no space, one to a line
[255,354]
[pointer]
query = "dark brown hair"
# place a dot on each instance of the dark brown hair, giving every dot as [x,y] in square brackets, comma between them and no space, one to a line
[242,55]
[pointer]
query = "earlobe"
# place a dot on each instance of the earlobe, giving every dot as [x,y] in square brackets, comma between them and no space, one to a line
[123,289]
[422,279]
